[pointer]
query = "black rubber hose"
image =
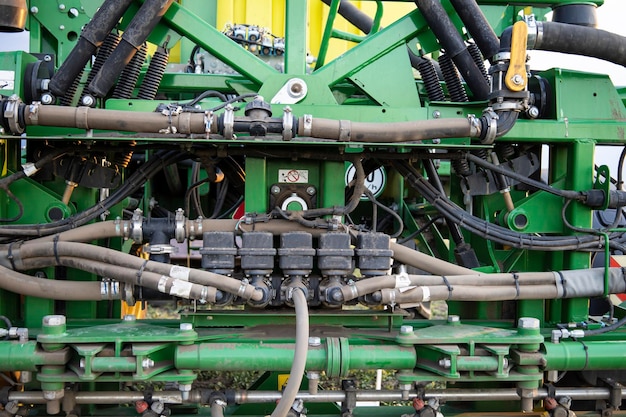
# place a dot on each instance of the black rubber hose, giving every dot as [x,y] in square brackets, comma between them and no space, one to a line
[133,38]
[451,40]
[364,23]
[477,25]
[103,22]
[582,40]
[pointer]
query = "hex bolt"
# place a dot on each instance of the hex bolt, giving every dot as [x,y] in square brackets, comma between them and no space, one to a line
[517,79]
[88,100]
[315,341]
[436,114]
[405,388]
[445,363]
[310,190]
[275,189]
[533,112]
[185,327]
[34,10]
[454,319]
[147,363]
[406,330]
[61,27]
[528,323]
[46,99]
[130,317]
[184,389]
[314,379]
[61,6]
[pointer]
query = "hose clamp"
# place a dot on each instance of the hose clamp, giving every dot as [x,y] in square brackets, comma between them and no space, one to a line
[307,125]
[533,32]
[195,228]
[11,114]
[474,125]
[208,120]
[29,169]
[242,289]
[492,129]
[160,249]
[229,122]
[287,124]
[179,221]
[539,36]
[136,226]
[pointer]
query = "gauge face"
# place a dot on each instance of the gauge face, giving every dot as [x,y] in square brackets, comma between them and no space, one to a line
[375,181]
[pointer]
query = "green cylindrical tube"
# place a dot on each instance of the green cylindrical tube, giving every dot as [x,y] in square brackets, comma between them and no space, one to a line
[109,364]
[19,356]
[259,356]
[576,356]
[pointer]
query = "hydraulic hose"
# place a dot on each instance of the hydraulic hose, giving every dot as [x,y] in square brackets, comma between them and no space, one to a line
[344,130]
[300,354]
[115,228]
[134,36]
[162,283]
[425,66]
[92,36]
[52,289]
[478,26]
[132,264]
[455,47]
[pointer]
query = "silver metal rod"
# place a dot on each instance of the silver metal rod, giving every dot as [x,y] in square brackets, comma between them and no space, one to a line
[244,397]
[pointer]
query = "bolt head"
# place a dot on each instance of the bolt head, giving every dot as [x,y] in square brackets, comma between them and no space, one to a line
[407,330]
[34,10]
[46,99]
[61,27]
[54,320]
[275,189]
[74,11]
[147,363]
[61,6]
[315,341]
[185,327]
[310,190]
[436,114]
[528,323]
[88,100]
[130,317]
[517,79]
[453,318]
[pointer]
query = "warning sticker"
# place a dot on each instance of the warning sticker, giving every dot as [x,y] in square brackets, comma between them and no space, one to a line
[293,176]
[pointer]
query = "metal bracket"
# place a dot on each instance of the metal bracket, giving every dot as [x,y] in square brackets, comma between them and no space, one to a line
[292,92]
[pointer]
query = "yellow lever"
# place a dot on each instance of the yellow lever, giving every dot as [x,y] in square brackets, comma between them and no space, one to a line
[516,78]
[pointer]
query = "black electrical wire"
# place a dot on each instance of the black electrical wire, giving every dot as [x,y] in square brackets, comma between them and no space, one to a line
[422,229]
[221,198]
[134,182]
[572,195]
[373,199]
[231,208]
[487,230]
[606,329]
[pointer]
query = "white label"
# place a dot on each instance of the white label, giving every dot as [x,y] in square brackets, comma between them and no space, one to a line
[180,272]
[7,80]
[375,181]
[293,176]
[181,288]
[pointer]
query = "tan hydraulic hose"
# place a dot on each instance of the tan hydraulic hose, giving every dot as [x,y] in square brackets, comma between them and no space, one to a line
[300,355]
[113,228]
[345,130]
[52,289]
[109,256]
[161,283]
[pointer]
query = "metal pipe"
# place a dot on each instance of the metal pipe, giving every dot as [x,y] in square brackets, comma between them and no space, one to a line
[248,397]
